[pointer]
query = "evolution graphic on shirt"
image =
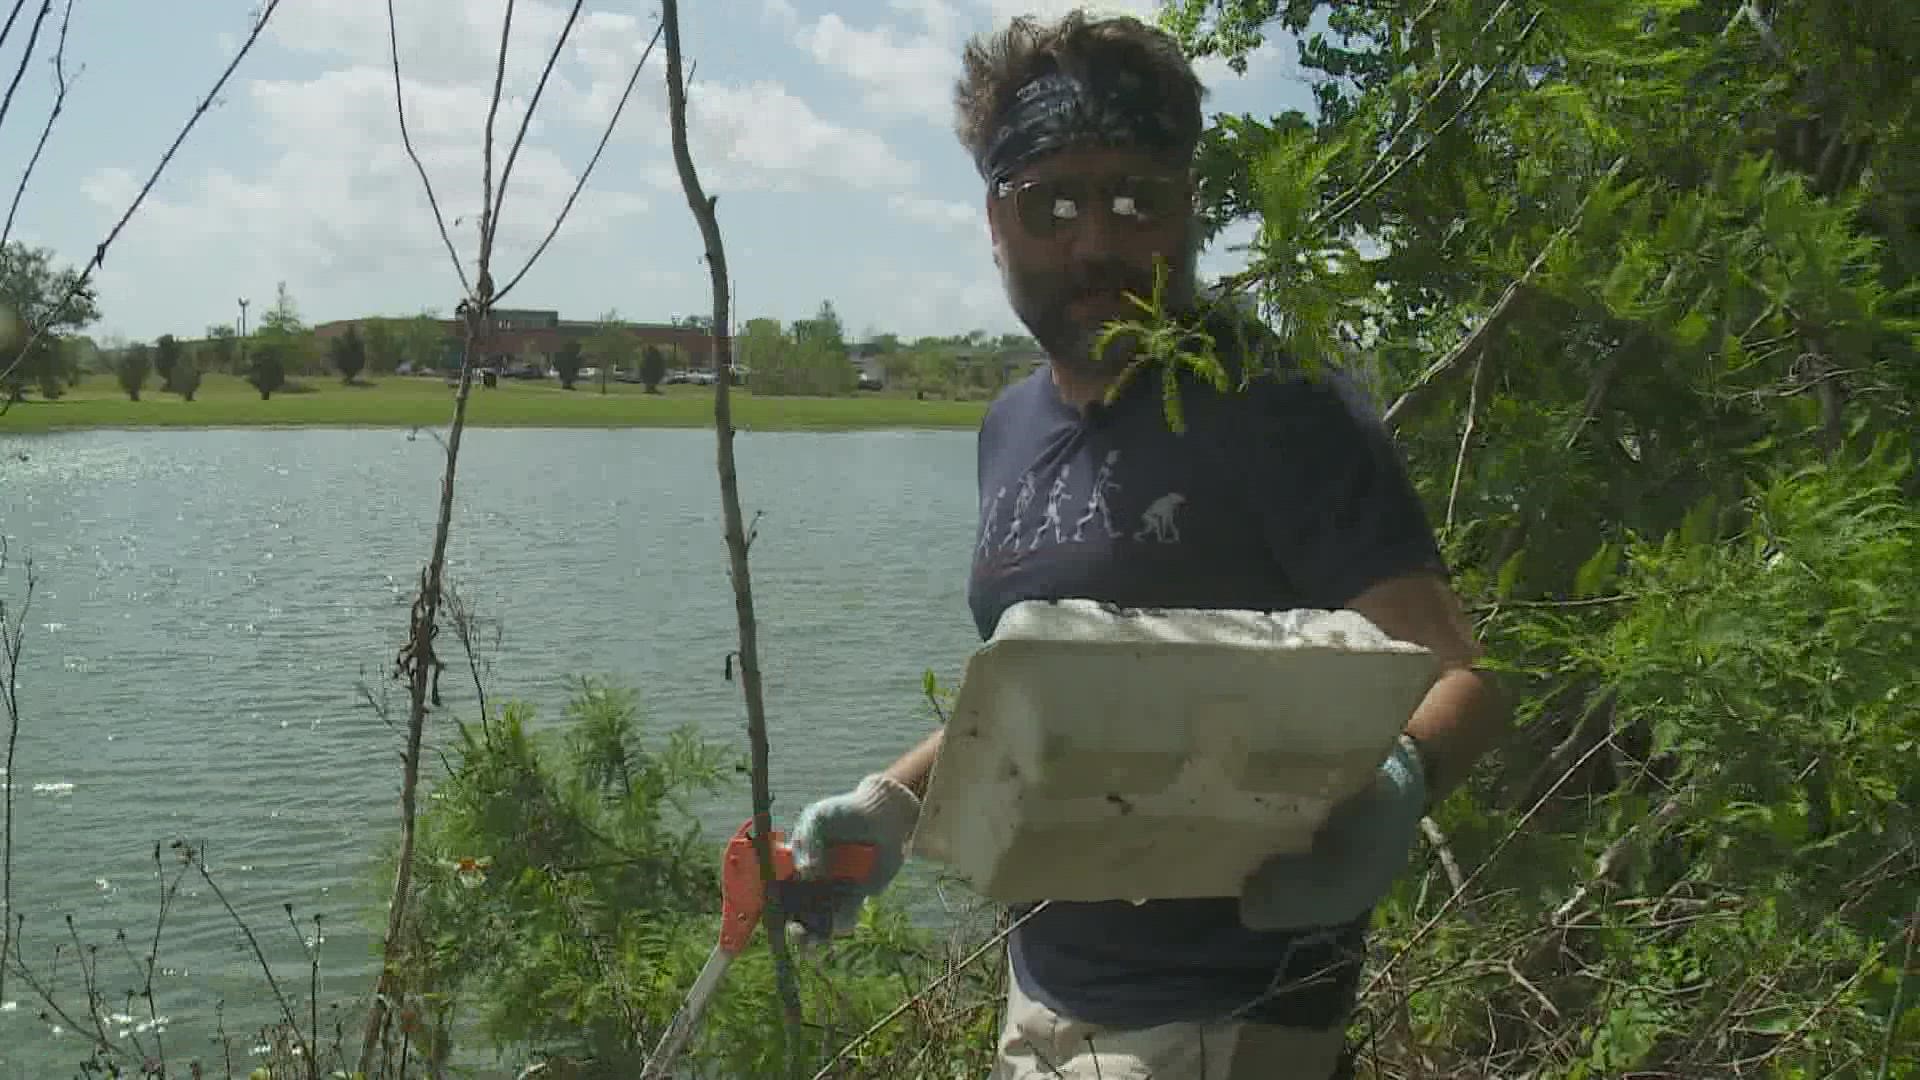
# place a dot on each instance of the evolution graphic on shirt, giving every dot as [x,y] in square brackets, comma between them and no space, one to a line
[1097,516]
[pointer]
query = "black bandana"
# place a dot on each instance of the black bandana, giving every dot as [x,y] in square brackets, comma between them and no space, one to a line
[1057,110]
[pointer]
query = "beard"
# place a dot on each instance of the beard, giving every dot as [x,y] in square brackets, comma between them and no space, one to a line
[1067,310]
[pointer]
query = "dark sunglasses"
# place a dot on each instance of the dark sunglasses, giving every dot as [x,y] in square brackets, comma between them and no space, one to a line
[1046,207]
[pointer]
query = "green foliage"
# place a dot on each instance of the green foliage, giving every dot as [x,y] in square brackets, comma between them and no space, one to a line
[39,307]
[267,365]
[131,369]
[653,368]
[348,352]
[567,362]
[186,378]
[566,900]
[167,354]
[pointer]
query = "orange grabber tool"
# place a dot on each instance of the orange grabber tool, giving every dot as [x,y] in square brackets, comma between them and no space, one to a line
[743,901]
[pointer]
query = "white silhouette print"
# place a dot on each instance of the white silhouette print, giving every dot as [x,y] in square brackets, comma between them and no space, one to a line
[1097,504]
[1051,519]
[986,519]
[1156,521]
[1021,501]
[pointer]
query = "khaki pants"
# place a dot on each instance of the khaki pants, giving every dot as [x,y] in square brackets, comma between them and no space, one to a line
[1037,1043]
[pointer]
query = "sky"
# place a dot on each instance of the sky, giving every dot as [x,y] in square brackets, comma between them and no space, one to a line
[824,126]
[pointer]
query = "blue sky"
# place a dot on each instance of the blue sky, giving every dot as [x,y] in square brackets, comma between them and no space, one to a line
[823,125]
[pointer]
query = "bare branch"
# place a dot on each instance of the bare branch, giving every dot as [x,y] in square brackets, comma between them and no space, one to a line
[702,205]
[581,183]
[13,638]
[99,258]
[61,85]
[526,120]
[406,140]
[26,57]
[487,210]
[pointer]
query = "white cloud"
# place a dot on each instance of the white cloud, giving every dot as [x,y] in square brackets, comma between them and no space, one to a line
[762,128]
[939,301]
[939,213]
[898,73]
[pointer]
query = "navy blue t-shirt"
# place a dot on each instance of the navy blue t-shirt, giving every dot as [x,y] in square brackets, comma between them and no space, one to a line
[1286,494]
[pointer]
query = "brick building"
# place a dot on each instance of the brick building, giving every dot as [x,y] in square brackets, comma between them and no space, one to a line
[532,335]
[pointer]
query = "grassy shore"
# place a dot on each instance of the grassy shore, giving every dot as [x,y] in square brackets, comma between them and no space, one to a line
[401,401]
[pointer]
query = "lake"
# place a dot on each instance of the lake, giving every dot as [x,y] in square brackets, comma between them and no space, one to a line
[210,603]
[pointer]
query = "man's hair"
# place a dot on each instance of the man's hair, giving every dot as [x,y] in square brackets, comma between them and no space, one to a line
[1086,47]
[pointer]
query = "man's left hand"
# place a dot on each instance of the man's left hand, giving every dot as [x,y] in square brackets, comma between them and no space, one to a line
[1355,858]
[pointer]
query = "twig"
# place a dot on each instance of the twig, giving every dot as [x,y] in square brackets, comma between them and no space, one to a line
[581,183]
[99,257]
[406,140]
[488,212]
[61,85]
[1482,373]
[198,859]
[1423,389]
[703,207]
[1604,866]
[526,118]
[947,977]
[13,639]
[26,57]
[1444,850]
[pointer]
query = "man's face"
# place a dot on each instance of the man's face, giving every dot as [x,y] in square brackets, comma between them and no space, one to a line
[1068,250]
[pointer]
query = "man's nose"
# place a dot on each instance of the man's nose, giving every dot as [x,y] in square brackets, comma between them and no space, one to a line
[1096,235]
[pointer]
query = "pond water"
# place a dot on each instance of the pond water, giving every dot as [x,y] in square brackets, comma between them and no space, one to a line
[210,602]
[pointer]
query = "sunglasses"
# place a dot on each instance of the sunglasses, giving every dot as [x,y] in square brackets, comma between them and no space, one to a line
[1047,207]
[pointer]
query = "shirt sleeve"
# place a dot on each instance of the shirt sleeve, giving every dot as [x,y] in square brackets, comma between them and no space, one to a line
[1331,493]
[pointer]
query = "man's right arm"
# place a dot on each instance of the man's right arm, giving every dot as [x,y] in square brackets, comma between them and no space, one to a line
[915,766]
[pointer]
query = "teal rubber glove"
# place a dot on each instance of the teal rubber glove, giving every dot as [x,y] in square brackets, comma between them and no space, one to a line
[880,811]
[1356,855]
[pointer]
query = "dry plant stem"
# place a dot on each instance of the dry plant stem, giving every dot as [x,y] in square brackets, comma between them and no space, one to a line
[100,250]
[12,17]
[1482,374]
[946,977]
[488,211]
[199,862]
[13,638]
[61,84]
[773,919]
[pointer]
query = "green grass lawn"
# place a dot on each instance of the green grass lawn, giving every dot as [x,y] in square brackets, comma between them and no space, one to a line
[402,401]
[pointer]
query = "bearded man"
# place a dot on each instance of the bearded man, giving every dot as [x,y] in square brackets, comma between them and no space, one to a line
[1287,493]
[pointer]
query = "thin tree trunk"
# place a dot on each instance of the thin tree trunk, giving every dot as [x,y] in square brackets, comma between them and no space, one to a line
[702,206]
[422,669]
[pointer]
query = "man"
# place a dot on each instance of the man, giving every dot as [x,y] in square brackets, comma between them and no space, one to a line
[1287,494]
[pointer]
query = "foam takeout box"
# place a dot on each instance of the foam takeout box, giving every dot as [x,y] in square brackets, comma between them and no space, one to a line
[1100,753]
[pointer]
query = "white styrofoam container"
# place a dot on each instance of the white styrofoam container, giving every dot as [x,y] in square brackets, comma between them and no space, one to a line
[1096,753]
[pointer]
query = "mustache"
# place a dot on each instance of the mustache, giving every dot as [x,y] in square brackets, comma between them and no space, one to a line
[1097,279]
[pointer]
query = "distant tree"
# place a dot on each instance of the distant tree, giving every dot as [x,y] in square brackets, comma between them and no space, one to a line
[567,363]
[221,347]
[35,307]
[132,368]
[653,368]
[284,316]
[268,371]
[166,357]
[614,347]
[186,378]
[349,354]
[383,345]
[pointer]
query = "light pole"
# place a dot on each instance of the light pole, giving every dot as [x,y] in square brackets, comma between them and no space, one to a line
[242,328]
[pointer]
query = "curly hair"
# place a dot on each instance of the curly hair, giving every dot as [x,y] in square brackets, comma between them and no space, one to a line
[1090,49]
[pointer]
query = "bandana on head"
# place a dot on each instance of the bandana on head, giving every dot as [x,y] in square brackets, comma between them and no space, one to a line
[1057,110]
